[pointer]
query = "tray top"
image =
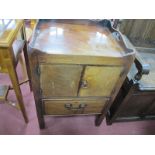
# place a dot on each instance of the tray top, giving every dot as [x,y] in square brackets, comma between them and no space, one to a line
[75,37]
[8,30]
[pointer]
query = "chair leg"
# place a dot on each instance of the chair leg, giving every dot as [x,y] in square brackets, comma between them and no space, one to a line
[15,83]
[21,60]
[27,65]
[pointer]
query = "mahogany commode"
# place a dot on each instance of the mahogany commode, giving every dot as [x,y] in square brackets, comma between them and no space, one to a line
[77,67]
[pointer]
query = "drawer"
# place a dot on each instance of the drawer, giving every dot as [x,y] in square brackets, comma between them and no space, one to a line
[73,107]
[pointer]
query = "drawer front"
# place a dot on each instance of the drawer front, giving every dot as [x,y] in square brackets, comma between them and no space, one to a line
[60,80]
[73,107]
[99,81]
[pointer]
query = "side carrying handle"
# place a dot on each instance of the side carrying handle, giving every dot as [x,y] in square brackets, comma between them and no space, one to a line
[142,67]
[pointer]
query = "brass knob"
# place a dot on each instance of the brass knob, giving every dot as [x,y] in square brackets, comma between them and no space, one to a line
[84,84]
[0,68]
[82,105]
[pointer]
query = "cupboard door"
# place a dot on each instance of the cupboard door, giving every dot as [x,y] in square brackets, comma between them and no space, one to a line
[99,81]
[60,80]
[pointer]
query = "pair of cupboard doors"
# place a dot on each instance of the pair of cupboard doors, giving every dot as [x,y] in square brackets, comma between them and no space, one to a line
[76,89]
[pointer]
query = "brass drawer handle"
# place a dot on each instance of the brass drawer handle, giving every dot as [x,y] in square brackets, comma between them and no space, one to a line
[69,106]
[82,105]
[84,84]
[0,67]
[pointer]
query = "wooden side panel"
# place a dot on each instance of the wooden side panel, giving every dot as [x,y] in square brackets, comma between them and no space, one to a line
[60,80]
[137,105]
[100,81]
[58,107]
[151,109]
[35,79]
